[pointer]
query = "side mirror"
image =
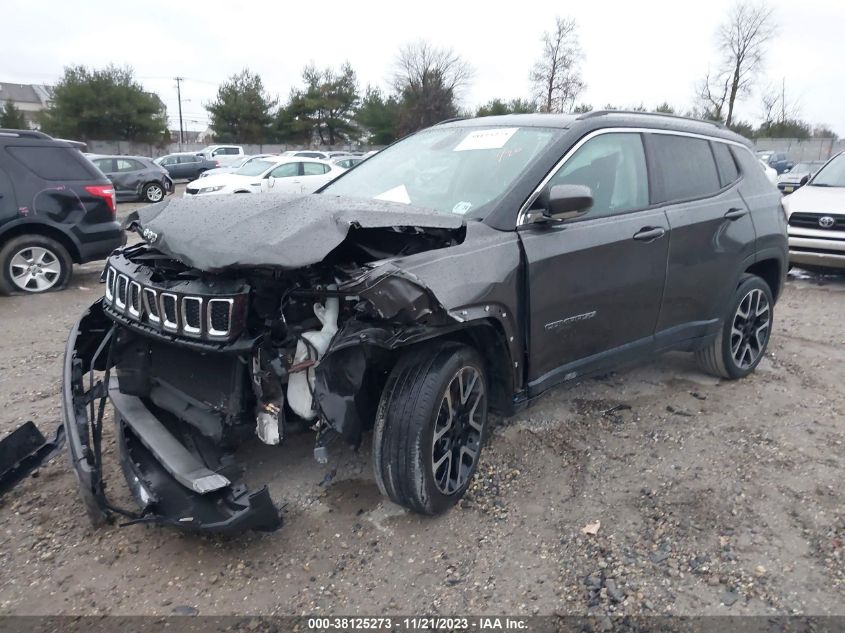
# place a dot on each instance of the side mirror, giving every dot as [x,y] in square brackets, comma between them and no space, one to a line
[564,202]
[787,170]
[271,181]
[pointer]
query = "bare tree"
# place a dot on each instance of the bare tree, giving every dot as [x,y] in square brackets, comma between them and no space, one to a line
[712,93]
[429,82]
[742,40]
[556,77]
[778,111]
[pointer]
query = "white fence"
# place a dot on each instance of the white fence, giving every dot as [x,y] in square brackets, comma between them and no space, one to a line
[129,148]
[802,149]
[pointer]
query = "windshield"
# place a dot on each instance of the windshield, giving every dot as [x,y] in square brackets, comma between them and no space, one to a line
[242,161]
[458,170]
[255,168]
[832,175]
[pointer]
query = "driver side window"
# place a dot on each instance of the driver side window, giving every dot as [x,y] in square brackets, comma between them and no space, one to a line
[285,171]
[613,166]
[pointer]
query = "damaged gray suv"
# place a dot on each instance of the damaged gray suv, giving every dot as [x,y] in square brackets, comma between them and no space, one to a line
[465,269]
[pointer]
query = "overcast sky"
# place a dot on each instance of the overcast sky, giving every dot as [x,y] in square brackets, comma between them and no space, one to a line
[644,51]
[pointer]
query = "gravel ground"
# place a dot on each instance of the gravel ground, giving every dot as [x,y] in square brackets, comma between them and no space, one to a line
[655,489]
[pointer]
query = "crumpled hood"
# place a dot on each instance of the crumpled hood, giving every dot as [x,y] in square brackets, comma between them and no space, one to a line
[244,230]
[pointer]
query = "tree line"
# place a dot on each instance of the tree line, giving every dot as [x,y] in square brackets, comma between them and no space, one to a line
[329,107]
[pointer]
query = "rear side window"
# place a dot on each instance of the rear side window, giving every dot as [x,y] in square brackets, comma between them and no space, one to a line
[105,165]
[684,168]
[314,169]
[55,163]
[728,172]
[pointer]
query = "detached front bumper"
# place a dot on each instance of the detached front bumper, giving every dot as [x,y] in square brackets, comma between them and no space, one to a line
[170,484]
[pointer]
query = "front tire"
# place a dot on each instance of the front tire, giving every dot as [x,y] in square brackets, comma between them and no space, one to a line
[744,336]
[32,264]
[430,427]
[153,192]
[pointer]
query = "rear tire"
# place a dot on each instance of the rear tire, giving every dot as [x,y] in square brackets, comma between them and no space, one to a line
[742,341]
[425,452]
[32,264]
[153,192]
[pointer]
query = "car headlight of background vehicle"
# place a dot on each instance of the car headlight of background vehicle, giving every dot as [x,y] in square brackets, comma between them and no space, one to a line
[211,189]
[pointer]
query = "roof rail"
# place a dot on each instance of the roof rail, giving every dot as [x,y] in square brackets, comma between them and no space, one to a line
[595,113]
[23,133]
[457,118]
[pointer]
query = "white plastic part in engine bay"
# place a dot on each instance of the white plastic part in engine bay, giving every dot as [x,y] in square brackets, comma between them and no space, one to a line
[301,383]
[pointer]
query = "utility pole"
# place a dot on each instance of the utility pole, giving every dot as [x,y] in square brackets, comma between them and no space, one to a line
[179,81]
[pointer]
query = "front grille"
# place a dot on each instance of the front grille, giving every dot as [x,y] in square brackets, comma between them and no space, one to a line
[134,307]
[219,316]
[110,275]
[192,315]
[170,319]
[811,221]
[179,313]
[151,306]
[120,292]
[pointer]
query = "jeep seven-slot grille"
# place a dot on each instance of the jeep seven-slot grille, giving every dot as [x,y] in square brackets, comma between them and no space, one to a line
[172,312]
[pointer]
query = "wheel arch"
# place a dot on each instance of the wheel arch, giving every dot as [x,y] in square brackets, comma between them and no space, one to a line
[771,270]
[488,338]
[351,376]
[44,230]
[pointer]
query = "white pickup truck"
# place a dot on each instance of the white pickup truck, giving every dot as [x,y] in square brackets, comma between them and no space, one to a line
[223,154]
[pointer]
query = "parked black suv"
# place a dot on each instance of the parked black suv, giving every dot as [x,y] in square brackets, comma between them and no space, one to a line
[56,208]
[469,267]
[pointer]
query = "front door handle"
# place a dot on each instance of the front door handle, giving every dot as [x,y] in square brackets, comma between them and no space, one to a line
[735,214]
[649,234]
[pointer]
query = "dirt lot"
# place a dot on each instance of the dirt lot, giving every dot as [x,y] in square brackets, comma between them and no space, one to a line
[713,497]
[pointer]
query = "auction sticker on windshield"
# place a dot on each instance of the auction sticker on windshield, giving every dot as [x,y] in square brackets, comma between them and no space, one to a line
[397,194]
[486,139]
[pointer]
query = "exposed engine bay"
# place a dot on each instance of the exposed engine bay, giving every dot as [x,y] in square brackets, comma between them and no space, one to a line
[199,356]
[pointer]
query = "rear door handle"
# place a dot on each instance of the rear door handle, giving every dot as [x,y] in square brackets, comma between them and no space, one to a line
[735,214]
[649,234]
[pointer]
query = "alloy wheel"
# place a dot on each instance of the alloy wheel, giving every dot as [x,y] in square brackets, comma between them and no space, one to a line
[458,431]
[154,193]
[35,269]
[750,328]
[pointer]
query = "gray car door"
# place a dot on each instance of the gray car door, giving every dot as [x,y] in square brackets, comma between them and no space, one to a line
[595,282]
[712,231]
[109,169]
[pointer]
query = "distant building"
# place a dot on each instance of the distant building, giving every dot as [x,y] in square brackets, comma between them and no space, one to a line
[30,99]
